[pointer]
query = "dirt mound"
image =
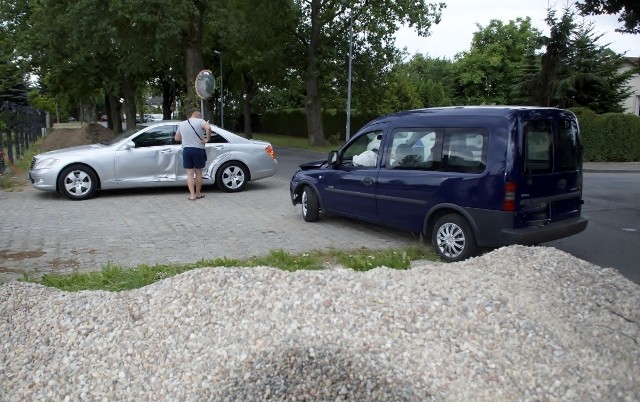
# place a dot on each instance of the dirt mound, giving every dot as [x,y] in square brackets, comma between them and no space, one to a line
[91,133]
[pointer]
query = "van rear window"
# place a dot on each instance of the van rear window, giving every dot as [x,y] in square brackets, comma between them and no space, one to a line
[538,146]
[569,146]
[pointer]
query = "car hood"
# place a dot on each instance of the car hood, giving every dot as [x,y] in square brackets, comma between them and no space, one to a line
[80,148]
[313,164]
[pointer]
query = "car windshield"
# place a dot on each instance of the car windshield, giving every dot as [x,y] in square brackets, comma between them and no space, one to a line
[122,136]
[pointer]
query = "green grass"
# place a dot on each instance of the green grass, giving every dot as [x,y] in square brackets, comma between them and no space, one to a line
[115,278]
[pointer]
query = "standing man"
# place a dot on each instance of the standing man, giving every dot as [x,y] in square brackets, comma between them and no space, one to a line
[194,133]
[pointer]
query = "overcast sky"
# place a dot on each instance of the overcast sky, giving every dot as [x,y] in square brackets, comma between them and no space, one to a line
[454,33]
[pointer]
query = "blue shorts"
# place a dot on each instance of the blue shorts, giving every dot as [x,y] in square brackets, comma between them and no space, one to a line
[194,158]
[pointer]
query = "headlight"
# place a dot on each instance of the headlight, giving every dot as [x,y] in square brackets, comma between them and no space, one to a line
[45,163]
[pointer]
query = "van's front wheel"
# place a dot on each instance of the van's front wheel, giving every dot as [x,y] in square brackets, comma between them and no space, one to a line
[452,238]
[310,205]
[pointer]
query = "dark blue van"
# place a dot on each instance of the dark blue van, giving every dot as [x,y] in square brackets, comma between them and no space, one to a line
[467,177]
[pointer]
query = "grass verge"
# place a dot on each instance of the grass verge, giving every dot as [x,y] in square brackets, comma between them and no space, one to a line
[115,278]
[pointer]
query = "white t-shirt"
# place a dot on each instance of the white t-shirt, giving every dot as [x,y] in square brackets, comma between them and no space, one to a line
[367,158]
[189,137]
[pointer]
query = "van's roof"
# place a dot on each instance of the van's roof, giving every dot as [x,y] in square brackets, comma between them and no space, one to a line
[478,111]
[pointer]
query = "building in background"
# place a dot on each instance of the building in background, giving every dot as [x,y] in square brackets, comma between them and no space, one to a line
[632,104]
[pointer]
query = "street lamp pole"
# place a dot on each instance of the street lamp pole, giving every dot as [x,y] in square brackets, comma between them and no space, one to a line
[348,128]
[221,91]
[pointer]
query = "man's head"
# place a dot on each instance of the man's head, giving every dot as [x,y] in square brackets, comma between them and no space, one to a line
[196,114]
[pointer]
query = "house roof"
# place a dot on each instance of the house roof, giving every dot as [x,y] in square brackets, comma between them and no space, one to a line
[633,60]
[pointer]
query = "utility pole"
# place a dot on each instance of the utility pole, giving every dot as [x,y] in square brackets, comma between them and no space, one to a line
[221,91]
[348,128]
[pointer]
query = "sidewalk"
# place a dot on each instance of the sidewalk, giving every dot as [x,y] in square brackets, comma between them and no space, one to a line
[612,167]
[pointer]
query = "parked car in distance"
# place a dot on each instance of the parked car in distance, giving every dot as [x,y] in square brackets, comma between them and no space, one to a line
[148,156]
[466,177]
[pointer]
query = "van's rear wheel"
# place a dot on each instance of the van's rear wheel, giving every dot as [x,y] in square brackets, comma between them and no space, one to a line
[453,238]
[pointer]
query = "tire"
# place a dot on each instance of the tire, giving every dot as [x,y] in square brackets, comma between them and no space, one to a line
[310,205]
[77,182]
[453,238]
[232,177]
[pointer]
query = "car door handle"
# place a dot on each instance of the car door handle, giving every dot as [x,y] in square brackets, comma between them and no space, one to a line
[166,151]
[367,181]
[218,147]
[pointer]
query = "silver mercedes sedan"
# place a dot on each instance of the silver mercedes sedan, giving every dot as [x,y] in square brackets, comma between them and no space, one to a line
[148,156]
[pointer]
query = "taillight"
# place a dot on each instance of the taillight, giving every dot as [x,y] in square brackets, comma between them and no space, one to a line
[509,201]
[270,151]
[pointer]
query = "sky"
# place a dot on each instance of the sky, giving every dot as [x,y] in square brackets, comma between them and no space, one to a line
[455,31]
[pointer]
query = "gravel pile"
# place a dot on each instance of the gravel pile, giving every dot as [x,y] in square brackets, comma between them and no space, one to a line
[520,323]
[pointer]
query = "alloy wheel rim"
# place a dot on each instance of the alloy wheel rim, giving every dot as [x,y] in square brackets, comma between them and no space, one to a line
[304,203]
[451,240]
[77,182]
[233,177]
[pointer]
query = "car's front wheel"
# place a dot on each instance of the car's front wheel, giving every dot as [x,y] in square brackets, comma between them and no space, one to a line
[78,182]
[453,238]
[232,177]
[310,205]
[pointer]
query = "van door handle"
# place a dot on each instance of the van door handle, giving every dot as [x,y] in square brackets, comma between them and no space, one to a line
[367,181]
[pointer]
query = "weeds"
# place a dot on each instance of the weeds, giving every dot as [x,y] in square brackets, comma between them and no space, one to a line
[115,278]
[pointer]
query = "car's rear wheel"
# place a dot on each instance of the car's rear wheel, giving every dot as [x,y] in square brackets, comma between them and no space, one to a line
[232,177]
[453,238]
[310,205]
[77,182]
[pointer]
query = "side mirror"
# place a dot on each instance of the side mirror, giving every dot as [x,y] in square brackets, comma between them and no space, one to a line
[333,159]
[129,145]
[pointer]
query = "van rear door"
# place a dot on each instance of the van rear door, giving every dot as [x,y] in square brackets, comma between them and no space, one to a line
[549,187]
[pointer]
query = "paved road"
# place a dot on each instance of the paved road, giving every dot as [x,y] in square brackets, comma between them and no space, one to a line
[46,233]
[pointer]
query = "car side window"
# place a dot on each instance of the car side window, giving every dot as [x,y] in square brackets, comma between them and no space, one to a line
[465,150]
[369,142]
[157,136]
[416,149]
[217,138]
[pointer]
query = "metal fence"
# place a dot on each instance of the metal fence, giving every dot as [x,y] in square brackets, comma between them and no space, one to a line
[20,126]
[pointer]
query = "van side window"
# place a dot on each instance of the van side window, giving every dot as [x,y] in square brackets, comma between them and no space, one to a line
[538,146]
[465,150]
[569,149]
[416,149]
[369,142]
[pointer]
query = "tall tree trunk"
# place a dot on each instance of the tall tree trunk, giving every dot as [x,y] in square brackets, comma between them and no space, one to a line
[168,97]
[129,89]
[249,92]
[194,62]
[115,113]
[313,104]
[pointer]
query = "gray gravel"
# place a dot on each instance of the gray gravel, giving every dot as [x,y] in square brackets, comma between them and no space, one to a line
[520,323]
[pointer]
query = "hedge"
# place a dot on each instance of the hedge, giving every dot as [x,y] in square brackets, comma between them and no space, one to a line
[293,122]
[609,137]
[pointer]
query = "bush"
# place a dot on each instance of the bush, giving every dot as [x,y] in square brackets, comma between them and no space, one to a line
[293,122]
[610,137]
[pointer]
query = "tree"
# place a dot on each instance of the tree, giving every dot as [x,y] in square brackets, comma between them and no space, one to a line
[629,11]
[253,34]
[575,71]
[322,23]
[547,87]
[433,79]
[487,72]
[595,81]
